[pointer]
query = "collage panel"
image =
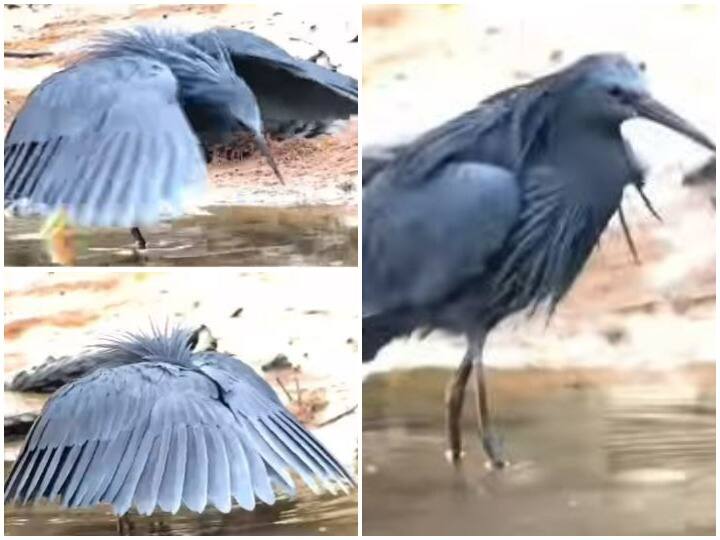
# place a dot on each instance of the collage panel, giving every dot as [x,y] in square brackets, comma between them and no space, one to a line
[538,261]
[360,269]
[180,134]
[226,407]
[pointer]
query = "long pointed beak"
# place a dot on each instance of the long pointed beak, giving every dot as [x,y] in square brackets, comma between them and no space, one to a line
[655,111]
[265,150]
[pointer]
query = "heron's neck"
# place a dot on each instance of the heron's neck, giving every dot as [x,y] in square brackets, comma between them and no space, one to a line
[594,159]
[590,143]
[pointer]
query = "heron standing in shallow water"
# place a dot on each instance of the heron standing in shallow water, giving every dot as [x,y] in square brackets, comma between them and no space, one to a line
[498,210]
[121,137]
[167,427]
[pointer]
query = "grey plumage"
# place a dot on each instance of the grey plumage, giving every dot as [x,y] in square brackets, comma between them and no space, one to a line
[287,88]
[497,211]
[169,427]
[533,190]
[116,138]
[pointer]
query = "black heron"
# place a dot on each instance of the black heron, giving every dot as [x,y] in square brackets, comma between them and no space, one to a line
[497,211]
[121,137]
[167,427]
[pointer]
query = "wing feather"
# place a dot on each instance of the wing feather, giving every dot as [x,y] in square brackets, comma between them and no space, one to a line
[171,487]
[95,474]
[46,472]
[258,471]
[286,88]
[269,430]
[73,492]
[291,453]
[241,481]
[399,274]
[30,467]
[68,464]
[136,463]
[219,494]
[333,469]
[303,438]
[196,473]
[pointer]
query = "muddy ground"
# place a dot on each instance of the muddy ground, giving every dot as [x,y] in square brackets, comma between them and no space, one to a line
[318,171]
[306,319]
[425,64]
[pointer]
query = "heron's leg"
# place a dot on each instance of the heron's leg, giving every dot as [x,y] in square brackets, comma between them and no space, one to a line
[454,398]
[139,240]
[491,443]
[123,525]
[208,153]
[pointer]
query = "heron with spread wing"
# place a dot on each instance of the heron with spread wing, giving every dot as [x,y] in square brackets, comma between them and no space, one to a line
[163,426]
[121,137]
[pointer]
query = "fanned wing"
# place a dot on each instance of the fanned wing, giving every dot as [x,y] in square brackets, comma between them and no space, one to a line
[143,435]
[106,141]
[287,88]
[421,240]
[154,435]
[271,433]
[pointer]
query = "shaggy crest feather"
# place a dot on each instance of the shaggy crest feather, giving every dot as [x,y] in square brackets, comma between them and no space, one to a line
[188,62]
[168,344]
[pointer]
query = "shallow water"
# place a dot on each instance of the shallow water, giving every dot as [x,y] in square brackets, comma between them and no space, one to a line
[226,236]
[308,514]
[633,455]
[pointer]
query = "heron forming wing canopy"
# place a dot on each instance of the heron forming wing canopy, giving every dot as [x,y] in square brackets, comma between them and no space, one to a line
[157,434]
[286,88]
[107,142]
[421,241]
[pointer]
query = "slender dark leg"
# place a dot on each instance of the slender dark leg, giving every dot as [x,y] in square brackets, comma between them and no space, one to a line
[208,153]
[491,443]
[123,526]
[139,240]
[454,398]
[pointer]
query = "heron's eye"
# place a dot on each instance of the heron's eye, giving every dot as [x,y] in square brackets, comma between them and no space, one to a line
[642,66]
[615,91]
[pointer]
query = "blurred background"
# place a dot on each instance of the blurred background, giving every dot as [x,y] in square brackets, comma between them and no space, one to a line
[609,411]
[246,218]
[297,328]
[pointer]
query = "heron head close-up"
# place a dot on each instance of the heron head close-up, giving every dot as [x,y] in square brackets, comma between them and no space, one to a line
[228,95]
[615,90]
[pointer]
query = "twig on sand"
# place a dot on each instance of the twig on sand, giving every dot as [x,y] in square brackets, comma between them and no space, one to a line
[18,54]
[338,417]
[287,394]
